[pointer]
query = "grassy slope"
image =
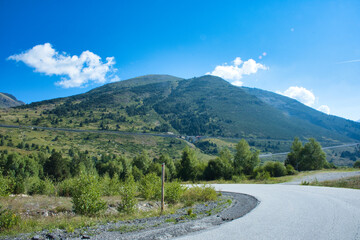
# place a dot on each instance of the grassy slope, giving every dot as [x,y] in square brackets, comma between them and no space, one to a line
[200,106]
[314,120]
[95,144]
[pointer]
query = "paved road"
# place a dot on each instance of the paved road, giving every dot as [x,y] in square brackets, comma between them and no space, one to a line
[325,176]
[291,212]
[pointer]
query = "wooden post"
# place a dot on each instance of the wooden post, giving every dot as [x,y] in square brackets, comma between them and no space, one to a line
[162,187]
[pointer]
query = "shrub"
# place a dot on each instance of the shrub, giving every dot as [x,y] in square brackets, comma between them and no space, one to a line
[357,164]
[174,191]
[150,187]
[238,178]
[128,195]
[5,186]
[34,185]
[202,193]
[8,219]
[66,187]
[290,170]
[87,195]
[18,186]
[110,186]
[276,169]
[262,175]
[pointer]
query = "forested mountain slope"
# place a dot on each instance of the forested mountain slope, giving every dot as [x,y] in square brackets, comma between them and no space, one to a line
[205,105]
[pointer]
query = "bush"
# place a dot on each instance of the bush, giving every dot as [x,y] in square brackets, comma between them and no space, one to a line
[128,195]
[150,187]
[18,186]
[8,219]
[357,164]
[238,178]
[262,175]
[66,187]
[174,191]
[110,186]
[276,169]
[5,186]
[202,193]
[87,195]
[34,185]
[290,170]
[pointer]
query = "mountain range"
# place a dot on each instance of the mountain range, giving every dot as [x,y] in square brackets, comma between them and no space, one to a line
[205,106]
[7,100]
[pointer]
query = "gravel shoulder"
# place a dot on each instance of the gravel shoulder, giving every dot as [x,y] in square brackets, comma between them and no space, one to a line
[202,217]
[325,176]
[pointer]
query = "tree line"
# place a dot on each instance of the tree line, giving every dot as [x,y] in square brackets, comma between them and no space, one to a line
[244,163]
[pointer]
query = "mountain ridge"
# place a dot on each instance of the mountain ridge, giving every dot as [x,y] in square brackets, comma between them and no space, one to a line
[205,105]
[8,100]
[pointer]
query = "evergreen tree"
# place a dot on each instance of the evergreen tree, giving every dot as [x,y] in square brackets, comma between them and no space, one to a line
[57,167]
[188,165]
[142,162]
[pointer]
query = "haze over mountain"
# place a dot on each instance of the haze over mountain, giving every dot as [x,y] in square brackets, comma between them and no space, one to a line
[7,100]
[204,105]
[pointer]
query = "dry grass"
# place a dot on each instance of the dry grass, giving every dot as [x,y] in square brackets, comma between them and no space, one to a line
[59,213]
[36,205]
[351,182]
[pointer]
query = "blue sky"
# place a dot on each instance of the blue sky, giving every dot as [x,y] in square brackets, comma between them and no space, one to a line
[310,50]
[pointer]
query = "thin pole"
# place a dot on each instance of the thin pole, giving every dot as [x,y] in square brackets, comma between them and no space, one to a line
[162,187]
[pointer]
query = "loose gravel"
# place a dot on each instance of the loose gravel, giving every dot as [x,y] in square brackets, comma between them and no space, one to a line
[184,221]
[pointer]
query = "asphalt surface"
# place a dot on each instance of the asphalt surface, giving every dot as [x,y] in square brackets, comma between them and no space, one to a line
[291,212]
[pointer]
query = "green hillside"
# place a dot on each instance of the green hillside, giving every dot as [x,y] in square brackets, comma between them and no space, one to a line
[205,106]
[310,116]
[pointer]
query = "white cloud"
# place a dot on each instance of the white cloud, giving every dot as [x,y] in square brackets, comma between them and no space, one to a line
[350,61]
[76,71]
[234,73]
[237,61]
[115,79]
[237,83]
[324,109]
[304,96]
[301,94]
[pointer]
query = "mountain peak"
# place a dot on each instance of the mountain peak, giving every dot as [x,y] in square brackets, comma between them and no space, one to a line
[7,100]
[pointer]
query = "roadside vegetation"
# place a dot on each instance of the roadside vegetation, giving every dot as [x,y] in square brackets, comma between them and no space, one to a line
[85,182]
[89,199]
[351,182]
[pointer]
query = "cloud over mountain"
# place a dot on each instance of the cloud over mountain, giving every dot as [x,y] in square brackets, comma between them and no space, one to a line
[235,72]
[301,94]
[324,109]
[304,96]
[75,71]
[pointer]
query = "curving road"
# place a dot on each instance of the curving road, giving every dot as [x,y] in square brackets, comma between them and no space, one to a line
[291,212]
